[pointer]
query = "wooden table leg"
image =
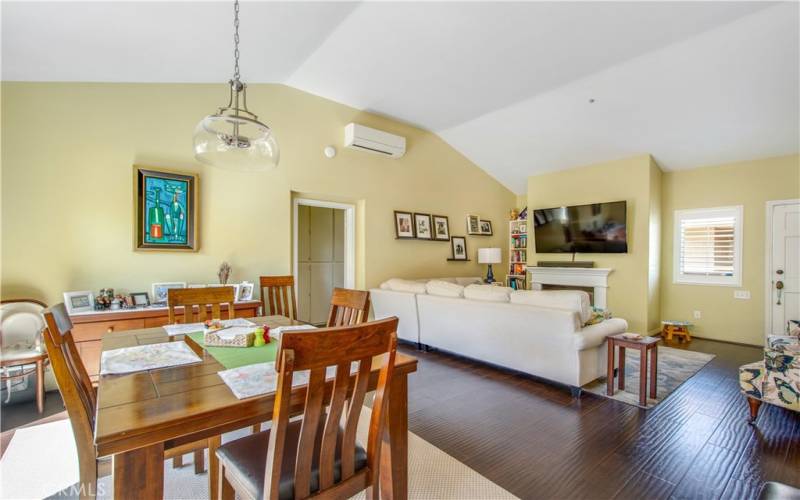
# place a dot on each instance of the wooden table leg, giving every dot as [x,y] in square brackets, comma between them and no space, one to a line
[394,450]
[653,372]
[621,371]
[610,374]
[139,473]
[643,376]
[213,467]
[40,385]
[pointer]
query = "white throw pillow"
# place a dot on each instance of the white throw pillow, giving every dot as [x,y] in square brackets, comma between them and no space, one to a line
[468,281]
[572,300]
[444,289]
[401,285]
[488,293]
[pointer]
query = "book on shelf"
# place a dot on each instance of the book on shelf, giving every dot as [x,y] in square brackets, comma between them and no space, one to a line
[517,269]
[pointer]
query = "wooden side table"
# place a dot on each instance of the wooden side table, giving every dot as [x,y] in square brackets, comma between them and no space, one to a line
[644,346]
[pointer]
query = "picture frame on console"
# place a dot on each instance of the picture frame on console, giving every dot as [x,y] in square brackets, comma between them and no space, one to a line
[140,299]
[441,228]
[160,290]
[79,301]
[422,226]
[403,225]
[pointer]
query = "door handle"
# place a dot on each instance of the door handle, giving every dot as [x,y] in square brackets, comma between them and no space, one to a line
[779,287]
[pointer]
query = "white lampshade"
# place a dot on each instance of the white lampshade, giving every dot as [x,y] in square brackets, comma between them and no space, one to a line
[489,256]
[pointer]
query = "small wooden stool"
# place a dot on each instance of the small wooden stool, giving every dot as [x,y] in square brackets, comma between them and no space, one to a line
[679,329]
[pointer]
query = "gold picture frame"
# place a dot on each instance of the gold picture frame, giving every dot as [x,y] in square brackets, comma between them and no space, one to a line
[161,224]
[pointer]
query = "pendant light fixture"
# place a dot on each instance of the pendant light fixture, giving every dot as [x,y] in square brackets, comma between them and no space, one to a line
[233,138]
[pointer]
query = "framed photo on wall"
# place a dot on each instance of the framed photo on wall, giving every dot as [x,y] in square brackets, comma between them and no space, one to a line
[486,227]
[459,244]
[165,210]
[422,225]
[403,225]
[441,228]
[473,224]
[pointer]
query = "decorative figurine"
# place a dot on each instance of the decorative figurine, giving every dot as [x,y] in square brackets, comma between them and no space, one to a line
[224,273]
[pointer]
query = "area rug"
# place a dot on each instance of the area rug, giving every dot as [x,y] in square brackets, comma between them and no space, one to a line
[675,366]
[41,462]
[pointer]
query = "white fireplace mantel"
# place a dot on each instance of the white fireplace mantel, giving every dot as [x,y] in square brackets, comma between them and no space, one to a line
[594,277]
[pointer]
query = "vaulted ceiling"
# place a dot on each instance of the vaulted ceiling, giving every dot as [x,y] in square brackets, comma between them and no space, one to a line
[520,88]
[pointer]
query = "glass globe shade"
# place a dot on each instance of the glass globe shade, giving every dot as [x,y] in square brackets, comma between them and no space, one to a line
[235,143]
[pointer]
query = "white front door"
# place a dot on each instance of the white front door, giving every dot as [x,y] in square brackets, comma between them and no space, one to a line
[783,279]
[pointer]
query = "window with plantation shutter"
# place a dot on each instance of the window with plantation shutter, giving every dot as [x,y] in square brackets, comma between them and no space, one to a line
[708,246]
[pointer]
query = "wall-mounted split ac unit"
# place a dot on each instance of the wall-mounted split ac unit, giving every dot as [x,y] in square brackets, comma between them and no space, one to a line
[374,141]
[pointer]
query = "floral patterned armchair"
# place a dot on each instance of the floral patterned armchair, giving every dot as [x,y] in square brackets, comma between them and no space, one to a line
[776,379]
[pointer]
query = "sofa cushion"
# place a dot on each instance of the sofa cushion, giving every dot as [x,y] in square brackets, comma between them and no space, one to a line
[444,289]
[572,300]
[488,293]
[468,281]
[401,285]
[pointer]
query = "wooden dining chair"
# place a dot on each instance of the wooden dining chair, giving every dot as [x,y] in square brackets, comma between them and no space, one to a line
[213,296]
[81,400]
[318,454]
[348,307]
[279,296]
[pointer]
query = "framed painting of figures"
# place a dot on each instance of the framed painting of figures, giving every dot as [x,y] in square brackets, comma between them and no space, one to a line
[165,210]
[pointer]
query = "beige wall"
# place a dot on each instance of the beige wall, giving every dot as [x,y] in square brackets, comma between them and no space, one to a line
[632,180]
[750,184]
[654,276]
[68,150]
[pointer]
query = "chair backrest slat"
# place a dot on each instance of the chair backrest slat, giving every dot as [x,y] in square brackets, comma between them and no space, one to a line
[279,299]
[348,307]
[354,405]
[74,384]
[315,393]
[330,433]
[202,298]
[316,350]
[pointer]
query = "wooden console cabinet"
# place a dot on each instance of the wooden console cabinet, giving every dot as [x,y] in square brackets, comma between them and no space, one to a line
[89,328]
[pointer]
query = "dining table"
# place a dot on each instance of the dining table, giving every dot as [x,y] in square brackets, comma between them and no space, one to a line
[142,414]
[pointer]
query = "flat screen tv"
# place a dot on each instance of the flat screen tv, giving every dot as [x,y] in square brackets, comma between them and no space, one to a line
[595,228]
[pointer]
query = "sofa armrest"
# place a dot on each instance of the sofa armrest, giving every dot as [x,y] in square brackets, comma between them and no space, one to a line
[594,335]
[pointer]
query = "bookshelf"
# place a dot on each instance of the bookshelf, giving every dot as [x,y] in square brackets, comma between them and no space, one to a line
[517,254]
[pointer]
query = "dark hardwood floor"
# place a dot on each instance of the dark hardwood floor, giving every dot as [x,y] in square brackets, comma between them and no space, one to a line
[535,440]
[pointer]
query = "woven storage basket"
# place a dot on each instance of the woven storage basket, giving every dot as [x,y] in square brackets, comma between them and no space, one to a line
[242,340]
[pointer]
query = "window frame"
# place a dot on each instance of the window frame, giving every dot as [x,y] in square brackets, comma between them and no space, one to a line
[678,277]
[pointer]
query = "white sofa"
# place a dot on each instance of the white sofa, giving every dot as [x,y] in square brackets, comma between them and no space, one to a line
[547,342]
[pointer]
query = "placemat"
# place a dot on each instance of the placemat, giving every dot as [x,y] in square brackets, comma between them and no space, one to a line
[234,357]
[146,357]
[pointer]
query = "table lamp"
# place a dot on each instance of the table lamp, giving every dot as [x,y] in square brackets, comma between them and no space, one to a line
[489,256]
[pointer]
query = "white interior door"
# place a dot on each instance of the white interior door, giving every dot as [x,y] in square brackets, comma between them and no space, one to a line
[783,279]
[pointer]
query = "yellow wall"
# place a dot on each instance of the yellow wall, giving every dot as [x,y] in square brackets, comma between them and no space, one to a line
[632,180]
[750,184]
[67,155]
[654,276]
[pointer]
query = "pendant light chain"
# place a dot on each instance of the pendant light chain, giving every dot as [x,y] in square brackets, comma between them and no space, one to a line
[236,40]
